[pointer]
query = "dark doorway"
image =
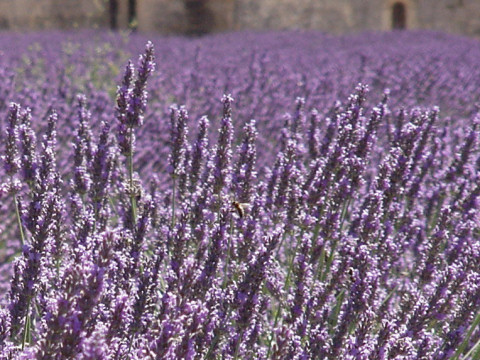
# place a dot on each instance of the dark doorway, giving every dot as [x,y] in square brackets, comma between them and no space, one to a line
[113,14]
[200,19]
[132,14]
[399,16]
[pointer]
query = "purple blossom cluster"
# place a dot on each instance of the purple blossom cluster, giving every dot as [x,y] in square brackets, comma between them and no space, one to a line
[264,203]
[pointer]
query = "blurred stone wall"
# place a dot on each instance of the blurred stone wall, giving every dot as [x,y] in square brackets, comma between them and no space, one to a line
[335,16]
[177,16]
[207,16]
[457,16]
[44,14]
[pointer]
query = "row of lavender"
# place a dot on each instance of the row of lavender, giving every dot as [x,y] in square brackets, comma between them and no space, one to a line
[264,73]
[347,231]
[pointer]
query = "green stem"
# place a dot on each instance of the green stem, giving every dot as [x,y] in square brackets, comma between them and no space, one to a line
[133,201]
[130,342]
[336,311]
[20,226]
[229,254]
[26,328]
[346,206]
[212,345]
[275,322]
[174,178]
[474,352]
[237,347]
[319,269]
[329,261]
[114,207]
[322,273]
[464,344]
[285,286]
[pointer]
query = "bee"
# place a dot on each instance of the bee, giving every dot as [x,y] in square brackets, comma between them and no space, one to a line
[240,208]
[351,274]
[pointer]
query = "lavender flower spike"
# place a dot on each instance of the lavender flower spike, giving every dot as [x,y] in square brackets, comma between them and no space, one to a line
[11,160]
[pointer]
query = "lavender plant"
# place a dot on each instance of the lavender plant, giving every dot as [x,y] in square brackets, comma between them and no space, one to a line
[346,229]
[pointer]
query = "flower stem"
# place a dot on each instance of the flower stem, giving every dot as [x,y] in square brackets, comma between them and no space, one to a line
[464,344]
[237,347]
[26,328]
[174,177]
[133,201]
[229,253]
[285,288]
[19,220]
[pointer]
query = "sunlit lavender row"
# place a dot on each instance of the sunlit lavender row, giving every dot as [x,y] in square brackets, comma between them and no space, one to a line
[286,195]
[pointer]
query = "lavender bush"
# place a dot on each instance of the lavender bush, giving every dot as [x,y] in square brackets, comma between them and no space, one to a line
[320,203]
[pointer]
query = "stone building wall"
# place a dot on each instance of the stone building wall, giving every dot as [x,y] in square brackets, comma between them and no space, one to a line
[174,17]
[457,16]
[336,16]
[206,16]
[43,14]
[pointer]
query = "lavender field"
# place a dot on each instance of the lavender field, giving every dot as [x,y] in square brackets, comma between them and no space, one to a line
[283,195]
